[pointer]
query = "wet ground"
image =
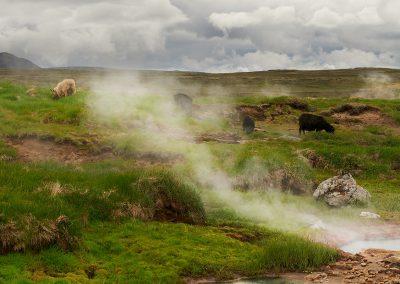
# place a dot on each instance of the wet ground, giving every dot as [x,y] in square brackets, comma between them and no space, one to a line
[358,246]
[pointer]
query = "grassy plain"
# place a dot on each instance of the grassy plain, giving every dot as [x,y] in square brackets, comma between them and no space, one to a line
[119,207]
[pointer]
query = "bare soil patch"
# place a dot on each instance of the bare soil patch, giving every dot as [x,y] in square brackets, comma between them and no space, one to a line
[256,112]
[229,138]
[154,158]
[369,266]
[359,114]
[34,149]
[272,110]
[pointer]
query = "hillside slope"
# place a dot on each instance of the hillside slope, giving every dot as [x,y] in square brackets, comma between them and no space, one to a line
[10,61]
[371,82]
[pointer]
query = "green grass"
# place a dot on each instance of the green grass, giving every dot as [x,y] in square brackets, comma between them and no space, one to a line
[22,115]
[292,253]
[124,242]
[50,190]
[164,253]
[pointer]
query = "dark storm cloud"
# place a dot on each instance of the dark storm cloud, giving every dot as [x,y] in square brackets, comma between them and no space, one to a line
[204,35]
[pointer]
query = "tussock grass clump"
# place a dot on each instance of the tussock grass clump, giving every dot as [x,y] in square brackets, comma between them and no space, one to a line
[48,191]
[169,199]
[32,234]
[292,253]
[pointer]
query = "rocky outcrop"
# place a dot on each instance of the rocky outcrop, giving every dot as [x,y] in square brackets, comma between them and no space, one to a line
[340,191]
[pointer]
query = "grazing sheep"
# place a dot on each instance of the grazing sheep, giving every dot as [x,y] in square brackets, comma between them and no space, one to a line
[184,102]
[248,124]
[65,88]
[312,122]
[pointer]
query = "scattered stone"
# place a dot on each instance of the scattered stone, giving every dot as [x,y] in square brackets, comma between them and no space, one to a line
[341,190]
[316,277]
[369,266]
[369,215]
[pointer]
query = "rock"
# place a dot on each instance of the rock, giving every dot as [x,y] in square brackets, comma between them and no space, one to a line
[316,277]
[369,215]
[340,191]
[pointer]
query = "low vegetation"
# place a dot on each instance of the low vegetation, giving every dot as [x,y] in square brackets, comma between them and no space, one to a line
[130,215]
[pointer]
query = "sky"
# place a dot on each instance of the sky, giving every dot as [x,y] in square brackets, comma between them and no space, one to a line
[203,35]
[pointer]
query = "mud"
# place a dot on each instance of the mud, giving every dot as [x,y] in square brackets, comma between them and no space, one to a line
[33,149]
[37,150]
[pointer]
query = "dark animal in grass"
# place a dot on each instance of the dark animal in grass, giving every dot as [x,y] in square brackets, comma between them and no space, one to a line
[184,102]
[248,124]
[312,122]
[91,271]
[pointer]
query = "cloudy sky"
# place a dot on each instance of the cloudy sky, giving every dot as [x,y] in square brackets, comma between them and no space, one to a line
[203,35]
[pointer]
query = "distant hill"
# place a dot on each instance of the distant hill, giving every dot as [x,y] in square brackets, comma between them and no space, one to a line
[10,61]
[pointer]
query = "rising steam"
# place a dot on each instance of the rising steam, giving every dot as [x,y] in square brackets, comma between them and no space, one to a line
[378,86]
[145,117]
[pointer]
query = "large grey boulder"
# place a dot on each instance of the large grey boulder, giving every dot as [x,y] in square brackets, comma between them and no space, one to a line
[340,191]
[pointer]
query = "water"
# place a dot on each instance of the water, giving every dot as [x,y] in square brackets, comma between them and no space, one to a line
[357,246]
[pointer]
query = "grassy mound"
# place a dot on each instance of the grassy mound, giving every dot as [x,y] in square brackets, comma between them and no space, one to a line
[48,191]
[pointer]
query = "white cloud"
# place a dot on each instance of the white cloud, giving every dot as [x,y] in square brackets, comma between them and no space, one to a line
[203,34]
[327,18]
[279,15]
[60,33]
[256,61]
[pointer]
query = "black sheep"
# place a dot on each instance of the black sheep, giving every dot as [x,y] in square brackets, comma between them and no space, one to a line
[184,102]
[312,122]
[248,124]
